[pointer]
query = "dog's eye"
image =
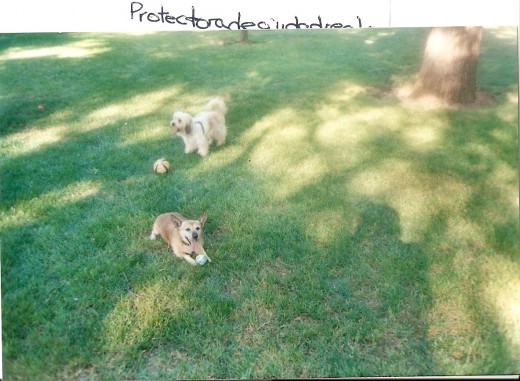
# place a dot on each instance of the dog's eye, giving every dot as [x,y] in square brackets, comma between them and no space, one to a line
[197,228]
[188,229]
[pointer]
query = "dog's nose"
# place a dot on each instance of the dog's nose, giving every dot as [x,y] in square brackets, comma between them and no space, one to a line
[195,235]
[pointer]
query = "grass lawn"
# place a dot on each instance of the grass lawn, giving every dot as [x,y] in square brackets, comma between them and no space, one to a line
[350,235]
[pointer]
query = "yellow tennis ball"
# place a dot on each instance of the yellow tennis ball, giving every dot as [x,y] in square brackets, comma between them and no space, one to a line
[161,166]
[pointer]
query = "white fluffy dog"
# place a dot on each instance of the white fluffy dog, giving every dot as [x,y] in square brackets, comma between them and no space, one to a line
[202,129]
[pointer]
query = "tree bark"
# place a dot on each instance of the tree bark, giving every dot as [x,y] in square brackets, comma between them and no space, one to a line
[244,38]
[449,66]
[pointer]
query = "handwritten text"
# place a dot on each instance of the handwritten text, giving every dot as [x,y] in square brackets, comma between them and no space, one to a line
[140,14]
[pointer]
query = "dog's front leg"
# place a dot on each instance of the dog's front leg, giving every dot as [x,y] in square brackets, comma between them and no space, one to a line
[181,255]
[189,259]
[203,149]
[203,252]
[202,145]
[189,146]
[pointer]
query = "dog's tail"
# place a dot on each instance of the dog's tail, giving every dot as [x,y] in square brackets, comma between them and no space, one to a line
[217,104]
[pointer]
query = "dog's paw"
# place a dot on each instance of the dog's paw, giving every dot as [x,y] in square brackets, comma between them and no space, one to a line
[152,236]
[189,259]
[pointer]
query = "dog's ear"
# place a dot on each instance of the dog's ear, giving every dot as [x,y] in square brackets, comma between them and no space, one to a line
[187,128]
[176,221]
[203,218]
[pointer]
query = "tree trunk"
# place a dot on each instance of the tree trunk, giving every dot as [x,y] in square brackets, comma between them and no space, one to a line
[244,38]
[449,67]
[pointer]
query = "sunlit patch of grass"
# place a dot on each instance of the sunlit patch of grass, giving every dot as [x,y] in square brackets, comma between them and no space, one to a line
[416,196]
[142,316]
[287,145]
[325,225]
[24,142]
[80,49]
[70,194]
[140,105]
[502,291]
[22,212]
[423,137]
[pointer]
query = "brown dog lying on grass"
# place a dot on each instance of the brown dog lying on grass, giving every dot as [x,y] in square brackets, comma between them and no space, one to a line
[182,235]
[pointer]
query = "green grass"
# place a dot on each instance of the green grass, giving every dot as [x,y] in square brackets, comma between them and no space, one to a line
[350,235]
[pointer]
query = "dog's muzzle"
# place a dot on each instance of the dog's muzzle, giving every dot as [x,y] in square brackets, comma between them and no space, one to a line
[175,130]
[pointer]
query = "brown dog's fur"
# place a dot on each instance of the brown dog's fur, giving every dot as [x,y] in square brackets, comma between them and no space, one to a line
[182,235]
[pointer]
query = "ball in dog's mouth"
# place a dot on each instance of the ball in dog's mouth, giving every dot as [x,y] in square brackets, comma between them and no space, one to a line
[201,259]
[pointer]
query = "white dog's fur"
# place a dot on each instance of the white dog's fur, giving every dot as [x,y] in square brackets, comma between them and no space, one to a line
[202,129]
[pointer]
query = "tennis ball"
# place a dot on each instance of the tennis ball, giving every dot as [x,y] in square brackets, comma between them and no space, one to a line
[161,166]
[201,259]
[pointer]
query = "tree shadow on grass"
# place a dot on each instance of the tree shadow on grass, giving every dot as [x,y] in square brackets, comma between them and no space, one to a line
[379,289]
